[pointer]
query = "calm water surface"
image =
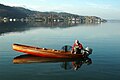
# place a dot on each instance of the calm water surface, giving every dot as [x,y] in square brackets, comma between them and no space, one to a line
[104,39]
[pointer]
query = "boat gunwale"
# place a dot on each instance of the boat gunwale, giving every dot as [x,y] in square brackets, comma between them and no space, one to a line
[38,49]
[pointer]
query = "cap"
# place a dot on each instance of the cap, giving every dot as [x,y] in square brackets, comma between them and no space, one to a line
[76,41]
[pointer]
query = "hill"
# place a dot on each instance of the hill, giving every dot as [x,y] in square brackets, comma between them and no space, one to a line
[23,14]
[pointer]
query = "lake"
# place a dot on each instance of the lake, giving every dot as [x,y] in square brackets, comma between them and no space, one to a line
[103,38]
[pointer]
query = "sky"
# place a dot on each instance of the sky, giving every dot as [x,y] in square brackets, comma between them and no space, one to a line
[107,9]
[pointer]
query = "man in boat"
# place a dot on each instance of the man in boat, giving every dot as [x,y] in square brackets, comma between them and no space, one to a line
[77,47]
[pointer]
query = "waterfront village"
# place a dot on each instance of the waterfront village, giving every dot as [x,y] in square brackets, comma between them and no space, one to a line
[55,18]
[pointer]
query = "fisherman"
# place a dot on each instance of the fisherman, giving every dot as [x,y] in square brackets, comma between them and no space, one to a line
[77,47]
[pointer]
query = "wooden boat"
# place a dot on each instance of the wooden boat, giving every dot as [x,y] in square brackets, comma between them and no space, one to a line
[26,58]
[43,52]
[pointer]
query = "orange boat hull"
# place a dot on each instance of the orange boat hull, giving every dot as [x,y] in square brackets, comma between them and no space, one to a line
[43,52]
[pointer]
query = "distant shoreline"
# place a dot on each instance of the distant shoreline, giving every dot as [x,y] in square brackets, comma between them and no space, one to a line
[12,14]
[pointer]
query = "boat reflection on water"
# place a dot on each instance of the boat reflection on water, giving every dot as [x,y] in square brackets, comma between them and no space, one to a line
[66,63]
[76,64]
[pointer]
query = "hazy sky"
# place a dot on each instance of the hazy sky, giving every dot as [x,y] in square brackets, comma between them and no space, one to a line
[108,9]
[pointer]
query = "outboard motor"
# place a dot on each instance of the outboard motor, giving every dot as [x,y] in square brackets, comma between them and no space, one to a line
[87,51]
